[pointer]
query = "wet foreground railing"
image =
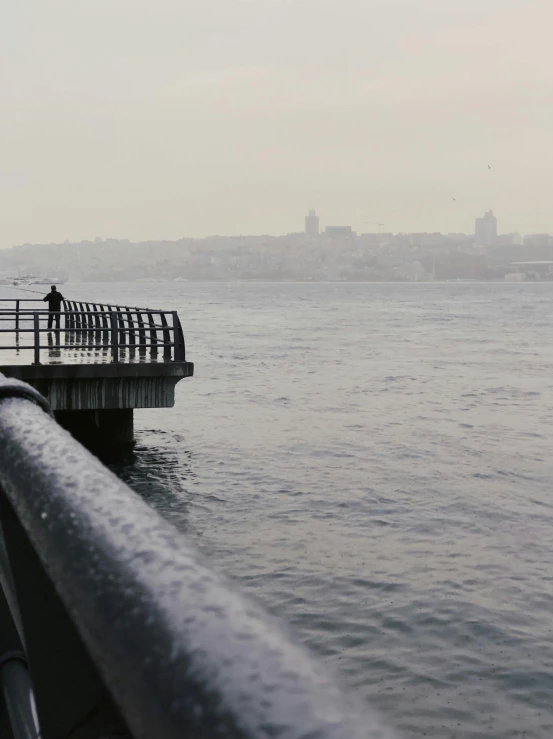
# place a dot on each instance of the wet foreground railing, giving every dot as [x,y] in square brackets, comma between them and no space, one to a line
[115,333]
[112,624]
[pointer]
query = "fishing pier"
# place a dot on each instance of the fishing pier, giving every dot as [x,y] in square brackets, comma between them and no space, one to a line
[104,362]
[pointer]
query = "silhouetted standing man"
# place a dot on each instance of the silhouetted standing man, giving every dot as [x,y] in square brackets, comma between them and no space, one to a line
[54,300]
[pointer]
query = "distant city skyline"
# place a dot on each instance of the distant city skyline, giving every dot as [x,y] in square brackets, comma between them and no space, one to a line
[484,228]
[337,254]
[485,232]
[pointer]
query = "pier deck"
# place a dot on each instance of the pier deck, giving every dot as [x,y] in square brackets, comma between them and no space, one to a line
[103,358]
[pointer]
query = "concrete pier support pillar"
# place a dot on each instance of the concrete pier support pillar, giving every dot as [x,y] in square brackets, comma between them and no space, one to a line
[96,402]
[109,430]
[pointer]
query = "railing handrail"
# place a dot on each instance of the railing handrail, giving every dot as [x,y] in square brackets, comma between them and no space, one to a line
[180,650]
[40,300]
[45,312]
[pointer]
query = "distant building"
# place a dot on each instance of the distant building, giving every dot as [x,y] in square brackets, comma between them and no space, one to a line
[373,240]
[312,223]
[426,239]
[338,231]
[485,229]
[538,240]
[512,239]
[538,247]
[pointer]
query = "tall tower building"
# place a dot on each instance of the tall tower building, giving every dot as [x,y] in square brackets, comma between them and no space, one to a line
[312,223]
[485,229]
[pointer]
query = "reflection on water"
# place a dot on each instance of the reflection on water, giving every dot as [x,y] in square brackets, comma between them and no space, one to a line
[54,351]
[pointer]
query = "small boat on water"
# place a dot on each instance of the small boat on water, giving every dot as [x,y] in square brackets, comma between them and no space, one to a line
[36,280]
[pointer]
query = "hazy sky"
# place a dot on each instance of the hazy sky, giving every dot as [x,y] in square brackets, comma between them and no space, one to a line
[163,118]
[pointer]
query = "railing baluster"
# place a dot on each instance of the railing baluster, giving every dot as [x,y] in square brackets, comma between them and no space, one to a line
[179,353]
[73,336]
[78,323]
[114,337]
[97,336]
[132,335]
[89,322]
[111,309]
[84,323]
[153,336]
[79,316]
[141,334]
[166,337]
[122,333]
[105,332]
[17,315]
[90,339]
[84,334]
[36,335]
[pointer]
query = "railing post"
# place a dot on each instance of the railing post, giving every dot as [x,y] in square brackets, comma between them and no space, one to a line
[121,322]
[17,315]
[114,337]
[141,333]
[153,337]
[82,320]
[132,335]
[36,335]
[105,332]
[179,354]
[71,336]
[166,337]
[89,321]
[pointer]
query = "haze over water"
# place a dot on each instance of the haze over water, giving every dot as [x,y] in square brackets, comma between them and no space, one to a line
[373,463]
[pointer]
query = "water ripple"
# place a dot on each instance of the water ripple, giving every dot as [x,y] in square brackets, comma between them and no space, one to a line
[373,463]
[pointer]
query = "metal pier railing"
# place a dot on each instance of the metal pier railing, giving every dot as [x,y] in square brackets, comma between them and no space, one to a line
[120,333]
[112,624]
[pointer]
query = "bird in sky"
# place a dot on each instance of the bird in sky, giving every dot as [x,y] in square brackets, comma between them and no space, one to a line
[489,166]
[454,200]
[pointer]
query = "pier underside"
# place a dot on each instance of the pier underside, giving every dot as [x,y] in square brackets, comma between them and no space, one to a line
[95,402]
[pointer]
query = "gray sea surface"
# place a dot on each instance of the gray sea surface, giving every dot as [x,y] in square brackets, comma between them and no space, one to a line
[372,462]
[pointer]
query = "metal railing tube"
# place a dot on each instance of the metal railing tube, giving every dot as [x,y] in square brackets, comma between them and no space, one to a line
[18,696]
[180,650]
[8,587]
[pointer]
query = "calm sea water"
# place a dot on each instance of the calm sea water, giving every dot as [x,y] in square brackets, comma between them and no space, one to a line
[373,463]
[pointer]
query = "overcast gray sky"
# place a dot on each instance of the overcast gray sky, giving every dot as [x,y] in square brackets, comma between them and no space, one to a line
[163,118]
